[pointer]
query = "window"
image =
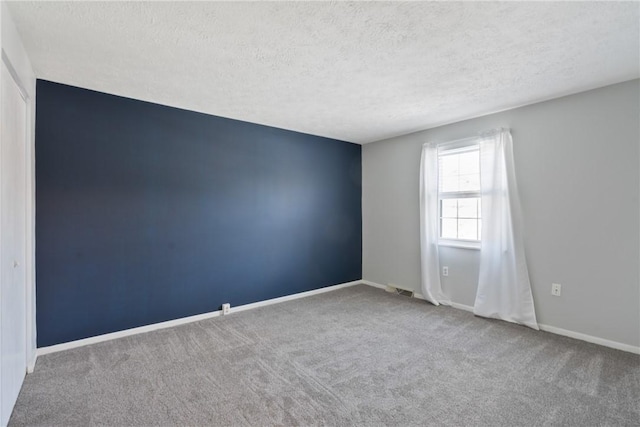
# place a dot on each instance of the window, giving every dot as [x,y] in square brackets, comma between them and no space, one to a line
[459,196]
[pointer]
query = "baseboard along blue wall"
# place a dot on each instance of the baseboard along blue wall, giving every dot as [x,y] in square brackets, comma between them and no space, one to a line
[147,213]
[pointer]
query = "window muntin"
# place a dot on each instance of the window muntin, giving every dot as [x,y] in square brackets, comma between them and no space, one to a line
[460,208]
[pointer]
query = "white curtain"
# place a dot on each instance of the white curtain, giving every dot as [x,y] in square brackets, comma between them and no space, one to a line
[504,290]
[429,255]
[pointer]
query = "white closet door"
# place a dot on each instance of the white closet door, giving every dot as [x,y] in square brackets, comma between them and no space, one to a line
[13,138]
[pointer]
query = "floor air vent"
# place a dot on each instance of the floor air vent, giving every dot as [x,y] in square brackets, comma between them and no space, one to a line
[394,289]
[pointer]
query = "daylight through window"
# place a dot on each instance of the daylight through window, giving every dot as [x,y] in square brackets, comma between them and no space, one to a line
[459,194]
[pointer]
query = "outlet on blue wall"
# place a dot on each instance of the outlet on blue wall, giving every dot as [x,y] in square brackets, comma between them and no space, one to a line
[146,213]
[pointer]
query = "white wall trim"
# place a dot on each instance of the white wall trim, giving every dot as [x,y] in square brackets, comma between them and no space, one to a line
[453,304]
[18,67]
[31,363]
[420,296]
[552,329]
[125,333]
[373,284]
[176,322]
[15,76]
[184,320]
[590,338]
[294,296]
[462,306]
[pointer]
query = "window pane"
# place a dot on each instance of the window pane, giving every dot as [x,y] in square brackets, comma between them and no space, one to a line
[468,229]
[449,228]
[449,208]
[459,173]
[468,208]
[470,162]
[449,165]
[449,183]
[479,208]
[470,182]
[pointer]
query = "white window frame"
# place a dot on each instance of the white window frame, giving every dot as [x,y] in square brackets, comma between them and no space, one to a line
[451,148]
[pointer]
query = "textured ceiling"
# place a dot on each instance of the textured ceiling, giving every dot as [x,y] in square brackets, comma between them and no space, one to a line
[358,72]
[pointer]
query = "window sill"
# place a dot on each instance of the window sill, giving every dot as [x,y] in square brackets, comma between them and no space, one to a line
[461,244]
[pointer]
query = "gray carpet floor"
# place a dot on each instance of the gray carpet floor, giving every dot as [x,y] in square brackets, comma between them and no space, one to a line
[356,356]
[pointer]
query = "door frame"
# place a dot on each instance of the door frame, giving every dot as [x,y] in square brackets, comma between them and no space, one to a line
[29,214]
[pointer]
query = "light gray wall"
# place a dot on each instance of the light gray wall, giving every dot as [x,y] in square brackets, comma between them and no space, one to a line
[577,163]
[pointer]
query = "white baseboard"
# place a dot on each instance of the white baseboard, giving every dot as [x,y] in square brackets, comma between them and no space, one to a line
[462,306]
[294,296]
[168,324]
[546,328]
[176,322]
[125,333]
[373,284]
[31,364]
[590,338]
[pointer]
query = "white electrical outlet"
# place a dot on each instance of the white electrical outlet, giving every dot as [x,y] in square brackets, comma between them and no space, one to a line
[445,271]
[226,308]
[556,289]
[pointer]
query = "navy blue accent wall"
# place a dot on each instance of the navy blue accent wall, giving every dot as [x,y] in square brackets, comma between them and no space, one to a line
[146,213]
